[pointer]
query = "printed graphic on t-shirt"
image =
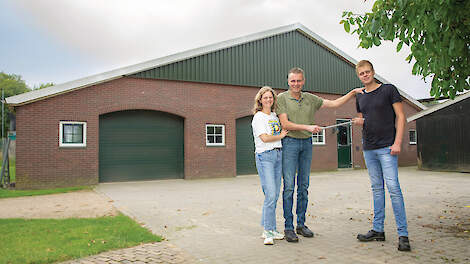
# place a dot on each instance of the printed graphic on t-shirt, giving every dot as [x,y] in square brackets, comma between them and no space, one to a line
[275,127]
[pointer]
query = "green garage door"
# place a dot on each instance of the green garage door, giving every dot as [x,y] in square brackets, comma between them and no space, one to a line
[140,145]
[245,147]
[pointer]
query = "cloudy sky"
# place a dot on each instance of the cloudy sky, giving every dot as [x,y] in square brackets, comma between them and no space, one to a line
[63,40]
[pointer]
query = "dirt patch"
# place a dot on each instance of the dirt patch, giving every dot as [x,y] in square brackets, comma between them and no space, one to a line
[81,204]
[461,229]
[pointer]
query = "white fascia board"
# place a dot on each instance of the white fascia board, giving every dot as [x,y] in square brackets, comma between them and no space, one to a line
[438,107]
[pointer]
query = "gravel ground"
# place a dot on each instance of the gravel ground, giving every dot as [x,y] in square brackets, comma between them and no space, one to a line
[82,204]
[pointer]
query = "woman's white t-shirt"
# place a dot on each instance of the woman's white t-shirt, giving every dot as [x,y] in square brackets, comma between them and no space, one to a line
[265,124]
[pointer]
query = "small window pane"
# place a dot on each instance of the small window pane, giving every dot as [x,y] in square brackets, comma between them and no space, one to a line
[77,138]
[68,138]
[218,139]
[210,130]
[218,130]
[77,129]
[68,129]
[210,139]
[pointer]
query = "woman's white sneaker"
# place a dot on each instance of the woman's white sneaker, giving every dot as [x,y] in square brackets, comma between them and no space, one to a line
[276,235]
[269,240]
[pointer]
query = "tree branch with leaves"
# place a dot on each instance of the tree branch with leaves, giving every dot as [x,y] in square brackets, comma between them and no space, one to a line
[437,32]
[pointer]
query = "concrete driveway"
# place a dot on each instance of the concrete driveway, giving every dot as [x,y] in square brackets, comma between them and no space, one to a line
[218,220]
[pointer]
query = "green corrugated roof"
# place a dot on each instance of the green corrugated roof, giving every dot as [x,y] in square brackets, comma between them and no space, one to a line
[254,60]
[265,62]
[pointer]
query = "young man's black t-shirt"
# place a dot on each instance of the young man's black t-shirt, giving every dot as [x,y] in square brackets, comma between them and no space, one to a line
[379,116]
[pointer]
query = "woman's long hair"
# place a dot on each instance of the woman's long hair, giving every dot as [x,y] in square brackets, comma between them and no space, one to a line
[258,106]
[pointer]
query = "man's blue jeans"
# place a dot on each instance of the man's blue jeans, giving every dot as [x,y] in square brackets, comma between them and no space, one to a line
[269,166]
[296,157]
[384,166]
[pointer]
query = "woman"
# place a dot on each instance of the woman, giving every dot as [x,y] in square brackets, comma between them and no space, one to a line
[267,134]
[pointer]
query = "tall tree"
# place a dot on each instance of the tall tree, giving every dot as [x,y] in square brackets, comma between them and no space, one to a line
[11,84]
[437,32]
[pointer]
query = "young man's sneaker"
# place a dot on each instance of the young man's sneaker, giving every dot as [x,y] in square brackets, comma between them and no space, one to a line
[276,235]
[304,231]
[269,240]
[291,236]
[404,244]
[371,235]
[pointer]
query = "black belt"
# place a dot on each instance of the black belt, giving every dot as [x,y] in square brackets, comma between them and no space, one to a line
[277,149]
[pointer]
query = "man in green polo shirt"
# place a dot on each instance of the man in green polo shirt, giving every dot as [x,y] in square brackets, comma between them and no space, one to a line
[296,111]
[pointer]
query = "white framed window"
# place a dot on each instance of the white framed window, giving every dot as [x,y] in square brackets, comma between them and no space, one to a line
[412,137]
[215,135]
[318,138]
[72,134]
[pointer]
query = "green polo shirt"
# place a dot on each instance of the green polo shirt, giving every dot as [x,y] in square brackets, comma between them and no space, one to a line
[299,111]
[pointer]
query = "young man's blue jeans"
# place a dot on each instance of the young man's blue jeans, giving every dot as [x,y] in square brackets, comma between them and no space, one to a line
[384,166]
[269,166]
[296,157]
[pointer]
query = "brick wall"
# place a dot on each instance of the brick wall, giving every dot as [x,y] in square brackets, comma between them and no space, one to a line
[40,163]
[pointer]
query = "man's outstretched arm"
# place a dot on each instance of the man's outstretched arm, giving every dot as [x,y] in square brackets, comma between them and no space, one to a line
[343,99]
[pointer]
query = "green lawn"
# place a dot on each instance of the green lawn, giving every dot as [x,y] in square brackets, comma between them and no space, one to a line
[50,240]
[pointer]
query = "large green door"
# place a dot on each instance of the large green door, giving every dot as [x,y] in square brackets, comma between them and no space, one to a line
[344,144]
[245,147]
[140,145]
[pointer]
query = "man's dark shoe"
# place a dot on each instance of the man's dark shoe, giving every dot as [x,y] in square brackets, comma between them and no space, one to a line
[371,235]
[304,231]
[291,236]
[404,244]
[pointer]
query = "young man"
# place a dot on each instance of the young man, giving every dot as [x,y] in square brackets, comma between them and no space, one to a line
[380,111]
[296,111]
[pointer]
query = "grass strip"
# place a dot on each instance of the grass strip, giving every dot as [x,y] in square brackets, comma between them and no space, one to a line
[52,240]
[5,193]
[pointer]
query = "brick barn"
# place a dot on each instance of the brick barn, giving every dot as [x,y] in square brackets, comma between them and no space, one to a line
[187,115]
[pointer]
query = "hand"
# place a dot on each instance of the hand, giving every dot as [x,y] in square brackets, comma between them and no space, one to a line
[314,128]
[284,133]
[358,121]
[395,149]
[358,90]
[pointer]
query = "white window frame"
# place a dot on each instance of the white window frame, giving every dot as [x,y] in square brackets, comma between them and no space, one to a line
[61,133]
[223,135]
[322,132]
[416,136]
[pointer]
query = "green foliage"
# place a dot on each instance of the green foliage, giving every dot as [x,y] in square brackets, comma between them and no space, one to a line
[52,240]
[437,32]
[43,85]
[11,84]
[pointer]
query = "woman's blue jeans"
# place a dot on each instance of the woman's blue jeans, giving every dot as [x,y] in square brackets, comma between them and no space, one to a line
[296,160]
[384,166]
[269,166]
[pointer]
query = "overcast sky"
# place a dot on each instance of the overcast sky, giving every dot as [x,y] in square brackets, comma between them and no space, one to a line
[63,40]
